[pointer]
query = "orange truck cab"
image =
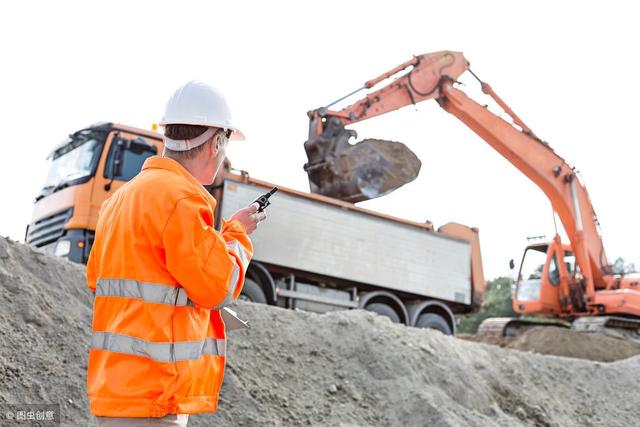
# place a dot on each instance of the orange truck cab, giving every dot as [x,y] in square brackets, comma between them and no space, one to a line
[85,169]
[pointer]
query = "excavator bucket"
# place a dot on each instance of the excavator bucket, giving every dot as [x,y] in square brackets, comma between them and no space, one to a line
[356,172]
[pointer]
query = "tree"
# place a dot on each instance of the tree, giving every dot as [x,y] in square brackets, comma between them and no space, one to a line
[496,302]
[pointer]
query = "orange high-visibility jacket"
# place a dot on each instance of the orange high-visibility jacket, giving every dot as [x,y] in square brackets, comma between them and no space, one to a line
[160,273]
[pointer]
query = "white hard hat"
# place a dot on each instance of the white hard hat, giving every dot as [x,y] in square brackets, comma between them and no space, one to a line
[197,103]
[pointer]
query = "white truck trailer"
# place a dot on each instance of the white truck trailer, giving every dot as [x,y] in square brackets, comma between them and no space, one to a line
[319,254]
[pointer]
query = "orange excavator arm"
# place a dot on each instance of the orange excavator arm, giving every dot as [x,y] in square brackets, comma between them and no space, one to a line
[421,83]
[433,76]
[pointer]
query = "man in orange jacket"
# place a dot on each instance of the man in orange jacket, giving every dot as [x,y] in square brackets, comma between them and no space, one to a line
[161,273]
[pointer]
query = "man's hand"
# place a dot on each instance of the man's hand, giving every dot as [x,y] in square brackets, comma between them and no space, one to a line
[249,217]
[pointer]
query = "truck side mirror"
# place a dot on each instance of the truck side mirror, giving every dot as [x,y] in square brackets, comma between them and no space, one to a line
[118,156]
[512,264]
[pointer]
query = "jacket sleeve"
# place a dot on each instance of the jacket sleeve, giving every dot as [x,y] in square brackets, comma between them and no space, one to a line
[240,247]
[198,257]
[95,254]
[91,271]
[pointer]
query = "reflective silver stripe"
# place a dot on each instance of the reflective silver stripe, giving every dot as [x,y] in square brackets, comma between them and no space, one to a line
[233,284]
[238,249]
[158,351]
[215,347]
[149,292]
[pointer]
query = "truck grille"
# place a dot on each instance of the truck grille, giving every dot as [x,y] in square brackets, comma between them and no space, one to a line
[48,229]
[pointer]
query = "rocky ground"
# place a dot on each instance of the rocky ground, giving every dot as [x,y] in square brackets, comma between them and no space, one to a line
[349,368]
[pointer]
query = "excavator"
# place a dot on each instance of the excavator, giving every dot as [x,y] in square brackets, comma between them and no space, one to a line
[569,281]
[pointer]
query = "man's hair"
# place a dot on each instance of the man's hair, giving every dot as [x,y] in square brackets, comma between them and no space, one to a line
[180,132]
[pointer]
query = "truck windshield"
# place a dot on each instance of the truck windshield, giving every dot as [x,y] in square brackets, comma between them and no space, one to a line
[72,162]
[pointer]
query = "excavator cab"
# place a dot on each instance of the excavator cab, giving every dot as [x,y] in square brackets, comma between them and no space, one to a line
[544,281]
[529,279]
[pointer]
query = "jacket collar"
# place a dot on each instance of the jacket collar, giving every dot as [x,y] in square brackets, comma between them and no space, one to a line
[165,163]
[158,162]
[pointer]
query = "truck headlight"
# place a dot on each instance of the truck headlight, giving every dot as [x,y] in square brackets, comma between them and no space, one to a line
[63,247]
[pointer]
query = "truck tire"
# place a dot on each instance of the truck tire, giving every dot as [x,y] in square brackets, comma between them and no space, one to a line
[251,291]
[384,310]
[434,321]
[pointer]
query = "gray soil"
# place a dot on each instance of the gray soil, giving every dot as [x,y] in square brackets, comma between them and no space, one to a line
[294,368]
[565,342]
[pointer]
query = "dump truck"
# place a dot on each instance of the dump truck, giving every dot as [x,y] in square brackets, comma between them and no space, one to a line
[314,253]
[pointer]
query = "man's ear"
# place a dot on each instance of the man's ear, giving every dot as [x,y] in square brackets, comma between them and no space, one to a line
[214,146]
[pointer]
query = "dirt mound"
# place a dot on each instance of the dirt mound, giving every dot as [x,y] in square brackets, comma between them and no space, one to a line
[563,342]
[45,315]
[297,368]
[569,343]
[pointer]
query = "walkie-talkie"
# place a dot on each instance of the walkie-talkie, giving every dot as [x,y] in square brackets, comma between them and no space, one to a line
[263,200]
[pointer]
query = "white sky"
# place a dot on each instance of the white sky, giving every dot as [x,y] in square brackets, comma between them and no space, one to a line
[567,68]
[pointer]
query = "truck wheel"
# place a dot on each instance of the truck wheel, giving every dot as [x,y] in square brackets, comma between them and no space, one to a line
[251,291]
[384,310]
[433,321]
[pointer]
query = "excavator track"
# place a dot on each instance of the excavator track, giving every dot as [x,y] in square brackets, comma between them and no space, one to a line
[613,326]
[511,327]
